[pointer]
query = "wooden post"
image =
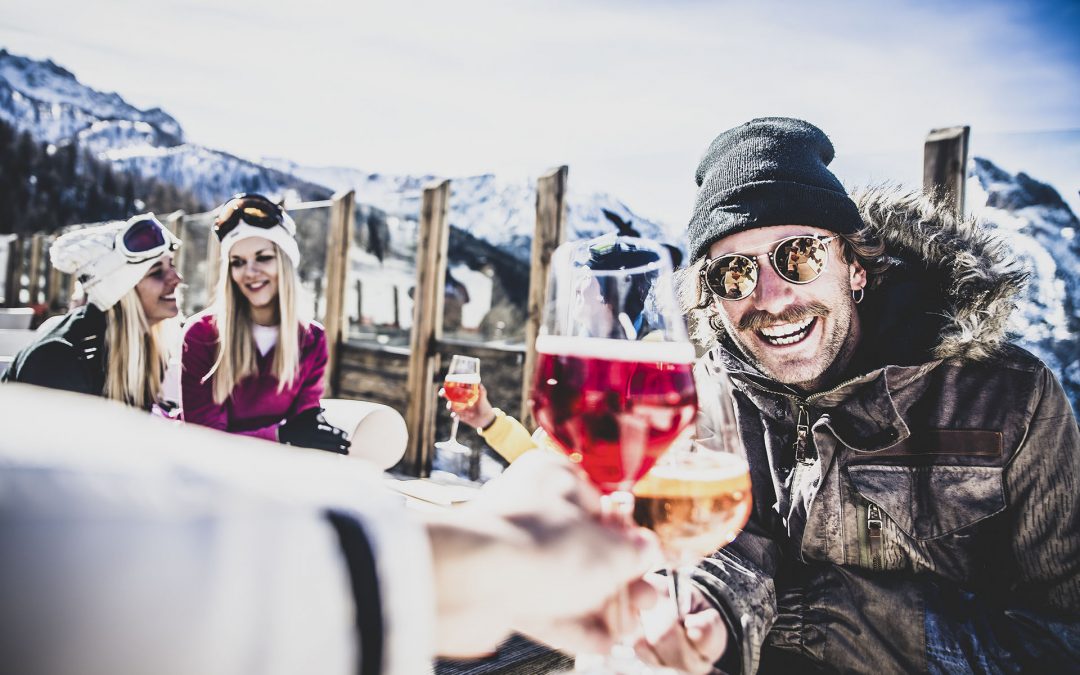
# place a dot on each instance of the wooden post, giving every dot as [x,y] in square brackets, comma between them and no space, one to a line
[945,165]
[338,239]
[550,232]
[13,273]
[55,287]
[397,307]
[37,247]
[175,222]
[213,264]
[427,326]
[359,302]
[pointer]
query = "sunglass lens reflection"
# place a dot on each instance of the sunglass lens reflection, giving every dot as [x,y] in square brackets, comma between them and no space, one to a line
[801,259]
[733,277]
[143,236]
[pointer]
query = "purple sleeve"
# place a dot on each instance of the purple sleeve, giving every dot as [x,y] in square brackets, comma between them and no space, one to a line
[197,397]
[312,369]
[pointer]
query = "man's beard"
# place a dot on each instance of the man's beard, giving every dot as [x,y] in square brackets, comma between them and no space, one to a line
[831,356]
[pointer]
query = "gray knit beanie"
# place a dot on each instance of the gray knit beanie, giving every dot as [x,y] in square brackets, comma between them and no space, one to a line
[769,171]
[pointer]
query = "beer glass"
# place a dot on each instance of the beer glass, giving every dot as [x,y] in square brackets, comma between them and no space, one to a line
[613,384]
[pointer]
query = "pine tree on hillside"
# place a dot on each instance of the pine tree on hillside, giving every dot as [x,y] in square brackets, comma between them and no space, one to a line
[47,187]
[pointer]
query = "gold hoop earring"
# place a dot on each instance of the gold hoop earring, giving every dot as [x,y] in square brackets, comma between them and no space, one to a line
[857,298]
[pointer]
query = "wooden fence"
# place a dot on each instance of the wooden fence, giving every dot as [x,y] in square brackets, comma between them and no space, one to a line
[407,379]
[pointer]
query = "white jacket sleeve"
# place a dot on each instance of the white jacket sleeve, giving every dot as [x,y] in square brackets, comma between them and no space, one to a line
[134,545]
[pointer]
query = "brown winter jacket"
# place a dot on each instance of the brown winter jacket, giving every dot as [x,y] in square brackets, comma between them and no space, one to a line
[934,525]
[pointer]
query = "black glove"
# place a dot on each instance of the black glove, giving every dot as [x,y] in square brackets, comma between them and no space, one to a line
[309,429]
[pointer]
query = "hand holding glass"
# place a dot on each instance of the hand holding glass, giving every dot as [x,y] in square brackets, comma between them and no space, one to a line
[461,387]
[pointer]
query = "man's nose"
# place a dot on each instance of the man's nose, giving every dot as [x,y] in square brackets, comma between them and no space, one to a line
[773,293]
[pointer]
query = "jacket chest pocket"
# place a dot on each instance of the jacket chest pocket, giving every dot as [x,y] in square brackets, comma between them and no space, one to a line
[929,502]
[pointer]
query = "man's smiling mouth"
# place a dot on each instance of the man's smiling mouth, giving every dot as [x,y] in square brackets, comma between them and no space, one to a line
[785,334]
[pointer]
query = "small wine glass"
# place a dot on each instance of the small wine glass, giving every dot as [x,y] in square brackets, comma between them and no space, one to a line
[462,388]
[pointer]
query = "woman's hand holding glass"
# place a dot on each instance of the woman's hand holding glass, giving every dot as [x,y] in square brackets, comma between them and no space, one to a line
[478,415]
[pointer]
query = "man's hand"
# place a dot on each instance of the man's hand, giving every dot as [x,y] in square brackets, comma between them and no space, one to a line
[477,415]
[691,646]
[529,553]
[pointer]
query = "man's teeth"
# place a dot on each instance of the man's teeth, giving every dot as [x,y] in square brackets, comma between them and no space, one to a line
[169,297]
[786,333]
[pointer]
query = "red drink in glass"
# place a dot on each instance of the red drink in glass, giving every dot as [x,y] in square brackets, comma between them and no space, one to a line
[463,390]
[613,405]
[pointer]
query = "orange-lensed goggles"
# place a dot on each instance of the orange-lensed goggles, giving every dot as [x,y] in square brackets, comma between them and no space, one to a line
[253,209]
[799,260]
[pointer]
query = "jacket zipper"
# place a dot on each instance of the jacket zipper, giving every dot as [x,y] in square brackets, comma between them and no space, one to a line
[802,421]
[873,531]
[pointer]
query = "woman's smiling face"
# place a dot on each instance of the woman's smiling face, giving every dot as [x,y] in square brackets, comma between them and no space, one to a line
[253,265]
[157,290]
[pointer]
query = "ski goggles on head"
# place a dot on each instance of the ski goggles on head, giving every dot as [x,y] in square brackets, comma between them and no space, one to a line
[144,239]
[253,209]
[799,260]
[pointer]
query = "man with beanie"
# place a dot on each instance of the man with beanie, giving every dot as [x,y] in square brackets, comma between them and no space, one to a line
[914,475]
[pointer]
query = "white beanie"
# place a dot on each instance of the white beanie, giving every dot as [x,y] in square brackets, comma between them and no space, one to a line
[277,234]
[102,267]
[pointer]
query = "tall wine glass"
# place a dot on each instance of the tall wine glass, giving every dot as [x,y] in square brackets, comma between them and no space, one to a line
[613,384]
[462,388]
[697,497]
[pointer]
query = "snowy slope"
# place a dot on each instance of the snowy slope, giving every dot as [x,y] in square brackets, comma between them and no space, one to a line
[43,98]
[1045,235]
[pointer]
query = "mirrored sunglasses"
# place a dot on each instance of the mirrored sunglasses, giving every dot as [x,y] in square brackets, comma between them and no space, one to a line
[253,209]
[799,260]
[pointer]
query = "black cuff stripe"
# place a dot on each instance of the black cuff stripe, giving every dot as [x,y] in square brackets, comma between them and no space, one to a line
[365,586]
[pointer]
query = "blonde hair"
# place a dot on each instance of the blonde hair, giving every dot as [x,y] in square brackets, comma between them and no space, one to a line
[236,339]
[138,353]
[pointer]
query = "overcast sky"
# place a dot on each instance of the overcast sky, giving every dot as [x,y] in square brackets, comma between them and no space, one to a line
[627,93]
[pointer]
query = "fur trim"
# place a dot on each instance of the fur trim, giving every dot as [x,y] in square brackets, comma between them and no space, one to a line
[981,280]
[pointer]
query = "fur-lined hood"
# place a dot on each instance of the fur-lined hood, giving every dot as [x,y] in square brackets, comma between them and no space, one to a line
[950,289]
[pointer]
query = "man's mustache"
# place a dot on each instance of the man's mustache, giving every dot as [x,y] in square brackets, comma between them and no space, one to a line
[758,319]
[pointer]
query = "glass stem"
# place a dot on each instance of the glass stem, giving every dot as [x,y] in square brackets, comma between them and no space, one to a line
[680,590]
[617,510]
[453,427]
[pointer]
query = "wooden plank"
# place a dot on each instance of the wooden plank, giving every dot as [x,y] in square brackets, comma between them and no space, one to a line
[37,248]
[339,239]
[550,232]
[13,273]
[427,326]
[945,165]
[57,283]
[175,222]
[213,265]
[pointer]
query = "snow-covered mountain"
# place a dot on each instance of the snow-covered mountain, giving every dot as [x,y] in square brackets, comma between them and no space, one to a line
[45,99]
[1045,235]
[503,213]
[49,102]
